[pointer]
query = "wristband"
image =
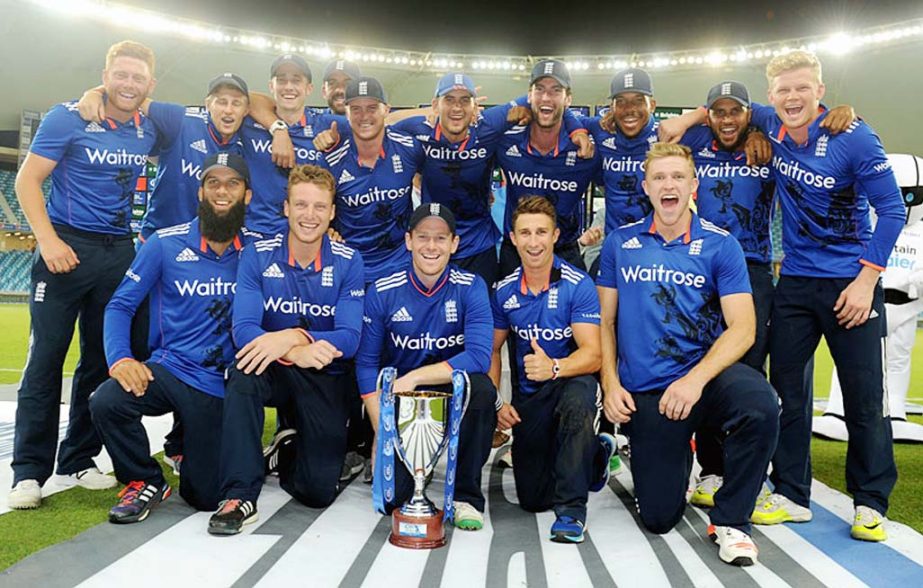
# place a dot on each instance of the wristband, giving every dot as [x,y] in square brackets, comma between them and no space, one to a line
[555,369]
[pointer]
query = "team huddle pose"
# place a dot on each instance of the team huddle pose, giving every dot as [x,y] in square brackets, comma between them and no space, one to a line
[282,262]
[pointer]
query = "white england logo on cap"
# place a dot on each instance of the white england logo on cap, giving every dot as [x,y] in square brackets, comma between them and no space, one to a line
[459,79]
[363,88]
[340,65]
[726,89]
[228,75]
[434,209]
[629,80]
[549,67]
[222,159]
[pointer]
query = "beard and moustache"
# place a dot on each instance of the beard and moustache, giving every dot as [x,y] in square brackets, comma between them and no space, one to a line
[221,228]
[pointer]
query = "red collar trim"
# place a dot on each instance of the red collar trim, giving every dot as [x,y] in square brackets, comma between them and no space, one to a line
[687,236]
[438,136]
[216,138]
[524,288]
[529,148]
[422,290]
[317,259]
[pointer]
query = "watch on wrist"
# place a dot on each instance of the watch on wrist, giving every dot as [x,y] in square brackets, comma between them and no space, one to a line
[555,369]
[278,125]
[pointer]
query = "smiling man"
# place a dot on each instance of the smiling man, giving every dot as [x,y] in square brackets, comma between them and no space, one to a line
[190,271]
[829,286]
[84,247]
[297,320]
[427,320]
[551,309]
[337,75]
[667,284]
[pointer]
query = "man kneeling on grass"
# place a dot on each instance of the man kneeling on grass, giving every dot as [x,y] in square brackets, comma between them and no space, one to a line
[190,272]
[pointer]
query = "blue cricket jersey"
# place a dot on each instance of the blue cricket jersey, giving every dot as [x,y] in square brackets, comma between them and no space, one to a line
[97,169]
[270,182]
[669,309]
[733,195]
[622,162]
[547,316]
[191,290]
[408,326]
[373,205]
[560,176]
[825,188]
[324,299]
[188,137]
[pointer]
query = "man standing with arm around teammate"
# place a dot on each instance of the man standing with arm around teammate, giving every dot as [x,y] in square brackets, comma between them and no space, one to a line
[84,247]
[829,286]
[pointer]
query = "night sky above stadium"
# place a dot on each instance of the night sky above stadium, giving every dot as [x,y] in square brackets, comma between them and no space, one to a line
[543,26]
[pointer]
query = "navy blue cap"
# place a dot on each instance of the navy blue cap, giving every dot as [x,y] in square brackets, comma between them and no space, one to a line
[291,58]
[454,81]
[228,79]
[551,68]
[632,79]
[432,209]
[229,160]
[341,65]
[365,87]
[733,90]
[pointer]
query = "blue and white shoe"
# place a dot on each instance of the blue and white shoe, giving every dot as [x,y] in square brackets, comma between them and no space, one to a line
[567,530]
[610,446]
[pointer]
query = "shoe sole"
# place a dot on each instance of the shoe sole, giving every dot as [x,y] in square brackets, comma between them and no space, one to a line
[741,561]
[227,531]
[354,471]
[29,506]
[786,519]
[469,525]
[68,482]
[868,538]
[702,501]
[560,538]
[143,514]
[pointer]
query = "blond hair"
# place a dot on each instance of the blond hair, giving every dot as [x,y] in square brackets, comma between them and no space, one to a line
[663,150]
[312,174]
[793,60]
[130,49]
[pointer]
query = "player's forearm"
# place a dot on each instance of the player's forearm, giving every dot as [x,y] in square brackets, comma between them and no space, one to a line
[117,330]
[585,360]
[494,372]
[887,230]
[434,374]
[262,109]
[396,116]
[609,373]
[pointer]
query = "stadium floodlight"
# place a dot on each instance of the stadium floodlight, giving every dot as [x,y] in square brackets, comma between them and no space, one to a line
[149,21]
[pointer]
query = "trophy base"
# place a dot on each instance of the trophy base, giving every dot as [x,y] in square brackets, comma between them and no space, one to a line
[417,532]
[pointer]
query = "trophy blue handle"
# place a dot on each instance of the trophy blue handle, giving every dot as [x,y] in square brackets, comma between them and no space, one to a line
[383,478]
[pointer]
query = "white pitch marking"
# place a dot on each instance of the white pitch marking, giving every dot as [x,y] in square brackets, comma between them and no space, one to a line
[563,564]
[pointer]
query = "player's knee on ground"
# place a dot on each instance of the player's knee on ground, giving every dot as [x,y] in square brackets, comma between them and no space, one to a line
[659,520]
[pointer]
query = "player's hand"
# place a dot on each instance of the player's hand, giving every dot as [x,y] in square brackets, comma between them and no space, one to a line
[618,403]
[854,304]
[333,235]
[92,106]
[538,365]
[839,119]
[679,398]
[479,101]
[257,355]
[585,146]
[283,152]
[317,355]
[58,256]
[671,130]
[327,140]
[519,115]
[758,148]
[507,417]
[133,376]
[591,236]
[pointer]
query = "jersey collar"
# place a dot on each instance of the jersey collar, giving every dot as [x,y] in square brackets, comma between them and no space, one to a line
[216,136]
[428,292]
[687,236]
[437,134]
[641,138]
[318,261]
[553,276]
[564,144]
[114,124]
[813,128]
[196,239]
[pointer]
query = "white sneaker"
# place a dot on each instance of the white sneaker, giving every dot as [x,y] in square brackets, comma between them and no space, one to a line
[506,460]
[91,479]
[26,494]
[734,547]
[467,517]
[704,493]
[776,508]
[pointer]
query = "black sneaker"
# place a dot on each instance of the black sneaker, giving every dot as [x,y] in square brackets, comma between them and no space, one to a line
[282,438]
[353,464]
[231,516]
[136,501]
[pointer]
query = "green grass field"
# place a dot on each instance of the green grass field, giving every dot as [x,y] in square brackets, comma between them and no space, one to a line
[66,514]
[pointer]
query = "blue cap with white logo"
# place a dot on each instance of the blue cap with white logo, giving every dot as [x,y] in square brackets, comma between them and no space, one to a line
[454,81]
[365,87]
[350,69]
[432,209]
[632,79]
[228,160]
[551,68]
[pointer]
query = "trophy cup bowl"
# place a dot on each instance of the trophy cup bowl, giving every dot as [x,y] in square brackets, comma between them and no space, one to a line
[423,434]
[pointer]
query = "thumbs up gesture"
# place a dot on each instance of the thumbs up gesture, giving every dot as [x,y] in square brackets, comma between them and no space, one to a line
[327,140]
[537,364]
